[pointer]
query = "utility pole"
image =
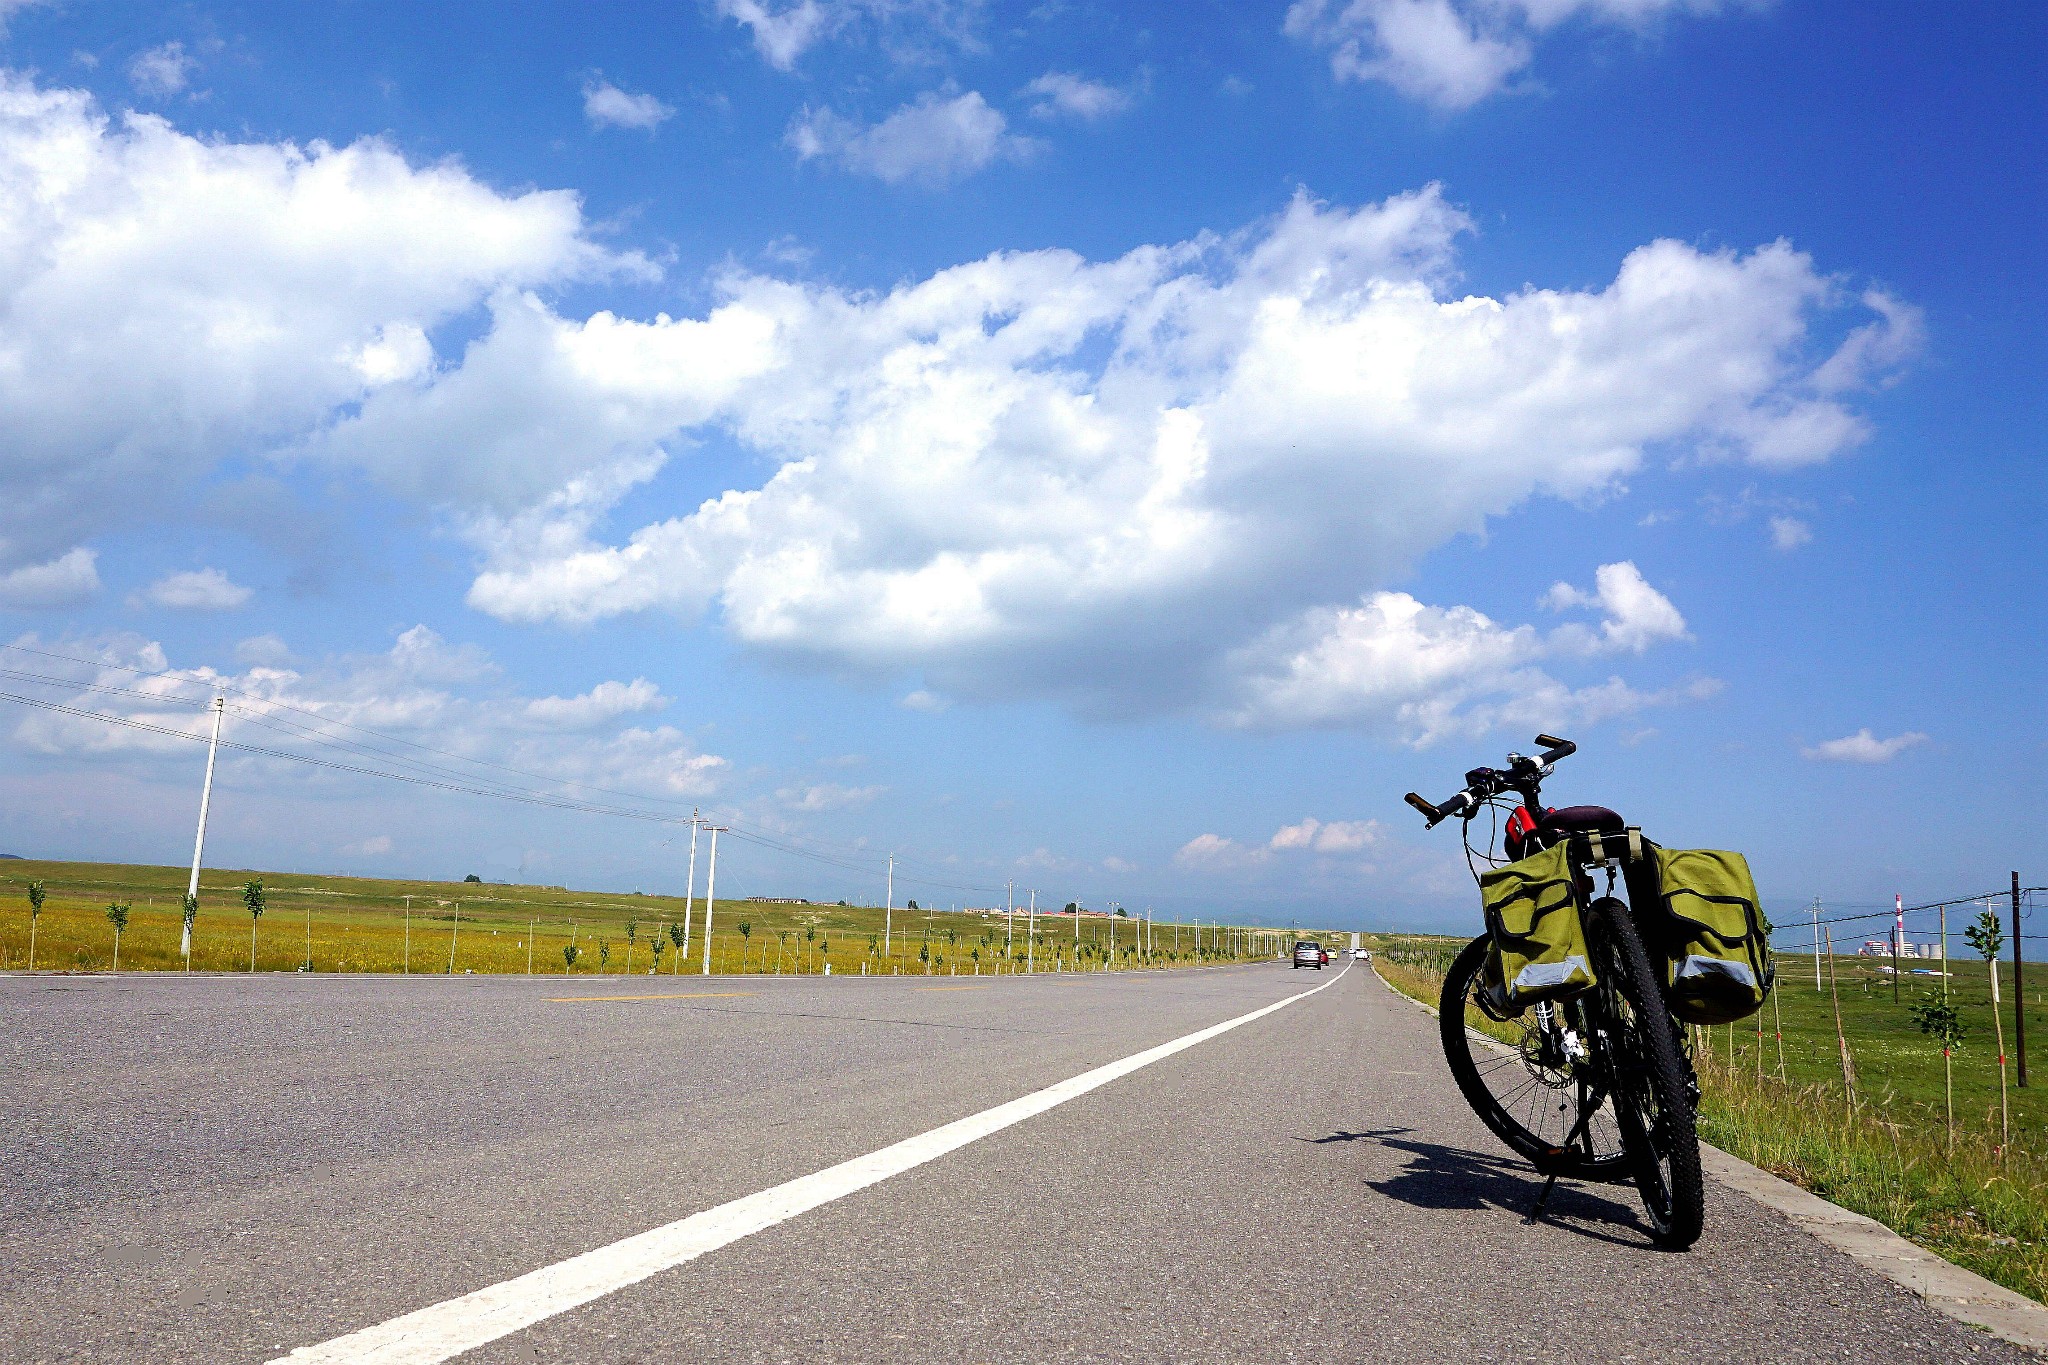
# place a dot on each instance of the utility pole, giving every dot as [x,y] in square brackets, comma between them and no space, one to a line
[1031,935]
[711,895]
[690,890]
[408,937]
[1898,937]
[889,908]
[199,842]
[454,926]
[1816,945]
[2019,990]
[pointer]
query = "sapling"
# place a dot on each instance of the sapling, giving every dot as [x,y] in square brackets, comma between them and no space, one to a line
[252,897]
[1987,936]
[604,954]
[191,914]
[35,912]
[1939,1019]
[655,945]
[117,915]
[632,937]
[675,936]
[570,952]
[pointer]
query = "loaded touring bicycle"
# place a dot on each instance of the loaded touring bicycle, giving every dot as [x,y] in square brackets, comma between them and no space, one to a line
[1561,1021]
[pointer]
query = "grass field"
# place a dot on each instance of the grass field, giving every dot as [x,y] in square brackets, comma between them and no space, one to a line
[355,924]
[1969,1195]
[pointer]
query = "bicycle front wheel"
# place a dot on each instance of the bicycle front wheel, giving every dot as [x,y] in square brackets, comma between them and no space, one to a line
[1529,1079]
[1653,1092]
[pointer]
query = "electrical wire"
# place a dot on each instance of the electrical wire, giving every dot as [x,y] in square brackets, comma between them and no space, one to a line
[732,823]
[437,777]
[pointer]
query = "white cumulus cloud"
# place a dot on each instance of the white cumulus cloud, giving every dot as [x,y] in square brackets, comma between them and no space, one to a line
[607,106]
[1431,672]
[169,301]
[1789,533]
[194,590]
[930,141]
[162,71]
[1173,480]
[1062,94]
[1284,420]
[910,30]
[1455,53]
[1217,853]
[781,35]
[69,579]
[1331,836]
[422,692]
[1864,747]
[1635,614]
[827,796]
[605,702]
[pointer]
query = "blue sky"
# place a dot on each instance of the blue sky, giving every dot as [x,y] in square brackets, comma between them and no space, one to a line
[1118,449]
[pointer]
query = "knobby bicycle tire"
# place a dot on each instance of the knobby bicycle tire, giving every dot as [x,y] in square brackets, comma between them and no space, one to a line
[1653,1097]
[1529,1107]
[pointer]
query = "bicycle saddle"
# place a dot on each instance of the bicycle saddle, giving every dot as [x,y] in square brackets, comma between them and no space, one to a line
[1582,820]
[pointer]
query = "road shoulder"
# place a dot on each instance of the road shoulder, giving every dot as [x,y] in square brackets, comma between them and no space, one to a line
[1961,1294]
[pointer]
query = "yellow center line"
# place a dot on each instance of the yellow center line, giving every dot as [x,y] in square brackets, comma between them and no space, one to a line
[686,995]
[952,988]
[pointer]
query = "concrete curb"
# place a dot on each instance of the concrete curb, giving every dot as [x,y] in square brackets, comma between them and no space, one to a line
[1967,1297]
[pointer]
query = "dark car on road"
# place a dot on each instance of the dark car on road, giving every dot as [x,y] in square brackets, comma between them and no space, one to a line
[1308,954]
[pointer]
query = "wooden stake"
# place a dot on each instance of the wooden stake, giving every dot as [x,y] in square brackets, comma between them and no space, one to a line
[1778,1030]
[2004,1116]
[1948,1079]
[1841,1038]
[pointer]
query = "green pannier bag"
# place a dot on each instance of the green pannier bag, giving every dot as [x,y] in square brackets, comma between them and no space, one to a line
[1532,915]
[1716,940]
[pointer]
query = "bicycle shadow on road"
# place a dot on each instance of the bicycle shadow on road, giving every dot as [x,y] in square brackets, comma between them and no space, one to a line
[1442,1179]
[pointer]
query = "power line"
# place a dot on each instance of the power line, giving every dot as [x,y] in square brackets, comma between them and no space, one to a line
[441,779]
[784,844]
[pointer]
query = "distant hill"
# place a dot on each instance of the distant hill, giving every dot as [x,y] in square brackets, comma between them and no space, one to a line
[15,856]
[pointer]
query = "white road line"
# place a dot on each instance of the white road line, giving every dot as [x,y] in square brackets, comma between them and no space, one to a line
[446,1330]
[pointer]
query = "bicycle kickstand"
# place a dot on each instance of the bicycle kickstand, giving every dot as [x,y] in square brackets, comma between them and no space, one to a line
[1585,1117]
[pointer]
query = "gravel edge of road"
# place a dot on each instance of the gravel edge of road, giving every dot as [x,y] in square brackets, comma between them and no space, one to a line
[1967,1297]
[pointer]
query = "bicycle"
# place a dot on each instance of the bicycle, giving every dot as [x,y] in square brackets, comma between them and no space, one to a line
[1598,1086]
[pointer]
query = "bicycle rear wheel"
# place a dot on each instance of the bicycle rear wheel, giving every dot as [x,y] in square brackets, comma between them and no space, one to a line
[1653,1093]
[1528,1081]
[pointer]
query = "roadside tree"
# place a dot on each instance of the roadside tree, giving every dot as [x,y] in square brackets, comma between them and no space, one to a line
[252,897]
[35,912]
[117,915]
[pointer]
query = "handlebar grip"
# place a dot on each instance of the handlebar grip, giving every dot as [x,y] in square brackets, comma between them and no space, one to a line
[1555,748]
[1438,814]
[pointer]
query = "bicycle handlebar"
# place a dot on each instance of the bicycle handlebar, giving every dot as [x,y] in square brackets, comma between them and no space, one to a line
[1483,783]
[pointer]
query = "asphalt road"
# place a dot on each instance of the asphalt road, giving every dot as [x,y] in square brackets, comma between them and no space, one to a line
[224,1168]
